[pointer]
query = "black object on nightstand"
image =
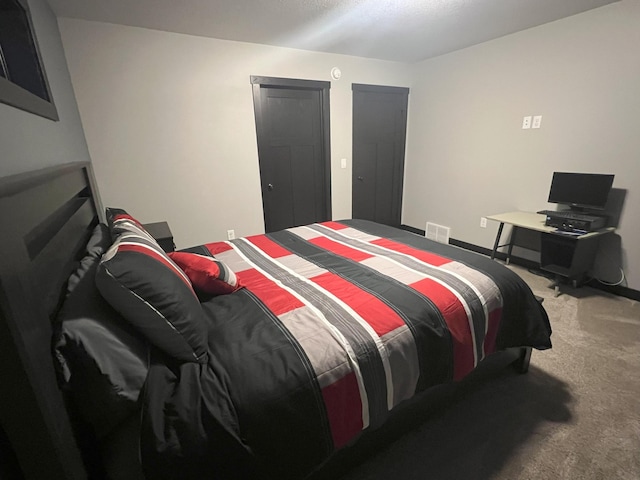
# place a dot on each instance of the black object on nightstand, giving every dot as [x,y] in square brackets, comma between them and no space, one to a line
[161,232]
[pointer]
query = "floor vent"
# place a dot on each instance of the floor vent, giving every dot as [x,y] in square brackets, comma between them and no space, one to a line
[437,232]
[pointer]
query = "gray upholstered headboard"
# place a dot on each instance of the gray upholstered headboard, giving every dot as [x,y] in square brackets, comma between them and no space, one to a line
[46,217]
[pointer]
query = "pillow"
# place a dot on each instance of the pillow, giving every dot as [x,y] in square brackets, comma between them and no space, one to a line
[151,292]
[99,359]
[207,274]
[121,222]
[98,243]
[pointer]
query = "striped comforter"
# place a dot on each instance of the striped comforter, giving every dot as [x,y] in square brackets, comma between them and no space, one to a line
[338,324]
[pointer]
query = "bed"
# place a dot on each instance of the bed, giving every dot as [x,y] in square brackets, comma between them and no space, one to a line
[259,357]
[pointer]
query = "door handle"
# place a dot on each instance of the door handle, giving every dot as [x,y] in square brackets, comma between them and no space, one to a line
[361,178]
[270,186]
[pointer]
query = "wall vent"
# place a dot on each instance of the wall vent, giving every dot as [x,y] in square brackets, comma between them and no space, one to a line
[437,232]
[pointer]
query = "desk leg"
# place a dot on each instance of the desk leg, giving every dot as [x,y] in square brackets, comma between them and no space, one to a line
[556,286]
[514,230]
[495,245]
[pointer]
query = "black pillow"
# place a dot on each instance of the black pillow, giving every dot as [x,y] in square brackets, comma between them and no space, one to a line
[151,292]
[98,243]
[99,358]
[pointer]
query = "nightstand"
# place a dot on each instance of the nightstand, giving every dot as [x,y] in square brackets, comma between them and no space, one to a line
[161,232]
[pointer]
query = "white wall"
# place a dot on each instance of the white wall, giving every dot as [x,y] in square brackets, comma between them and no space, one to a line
[468,157]
[170,124]
[28,141]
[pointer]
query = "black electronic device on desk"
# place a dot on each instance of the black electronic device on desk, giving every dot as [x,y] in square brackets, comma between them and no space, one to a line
[571,221]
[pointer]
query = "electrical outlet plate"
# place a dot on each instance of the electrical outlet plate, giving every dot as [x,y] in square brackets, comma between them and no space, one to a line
[537,121]
[231,234]
[526,122]
[483,222]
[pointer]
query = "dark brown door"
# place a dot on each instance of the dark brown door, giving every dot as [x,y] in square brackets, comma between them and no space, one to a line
[292,131]
[379,132]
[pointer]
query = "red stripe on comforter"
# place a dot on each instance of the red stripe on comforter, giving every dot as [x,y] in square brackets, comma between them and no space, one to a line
[457,321]
[495,317]
[377,313]
[334,225]
[344,409]
[276,298]
[218,247]
[268,246]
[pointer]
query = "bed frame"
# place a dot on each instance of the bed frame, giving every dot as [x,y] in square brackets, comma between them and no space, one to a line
[46,219]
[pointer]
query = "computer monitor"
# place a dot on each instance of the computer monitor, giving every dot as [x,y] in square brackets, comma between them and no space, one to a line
[580,190]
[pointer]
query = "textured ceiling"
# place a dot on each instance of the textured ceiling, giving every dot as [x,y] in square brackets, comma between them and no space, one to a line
[400,30]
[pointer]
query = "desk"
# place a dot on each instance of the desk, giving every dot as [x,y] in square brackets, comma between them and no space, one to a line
[526,220]
[566,256]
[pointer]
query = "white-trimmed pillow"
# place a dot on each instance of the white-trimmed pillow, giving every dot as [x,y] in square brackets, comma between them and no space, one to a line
[151,292]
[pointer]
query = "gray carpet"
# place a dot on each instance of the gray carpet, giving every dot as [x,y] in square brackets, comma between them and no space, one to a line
[575,415]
